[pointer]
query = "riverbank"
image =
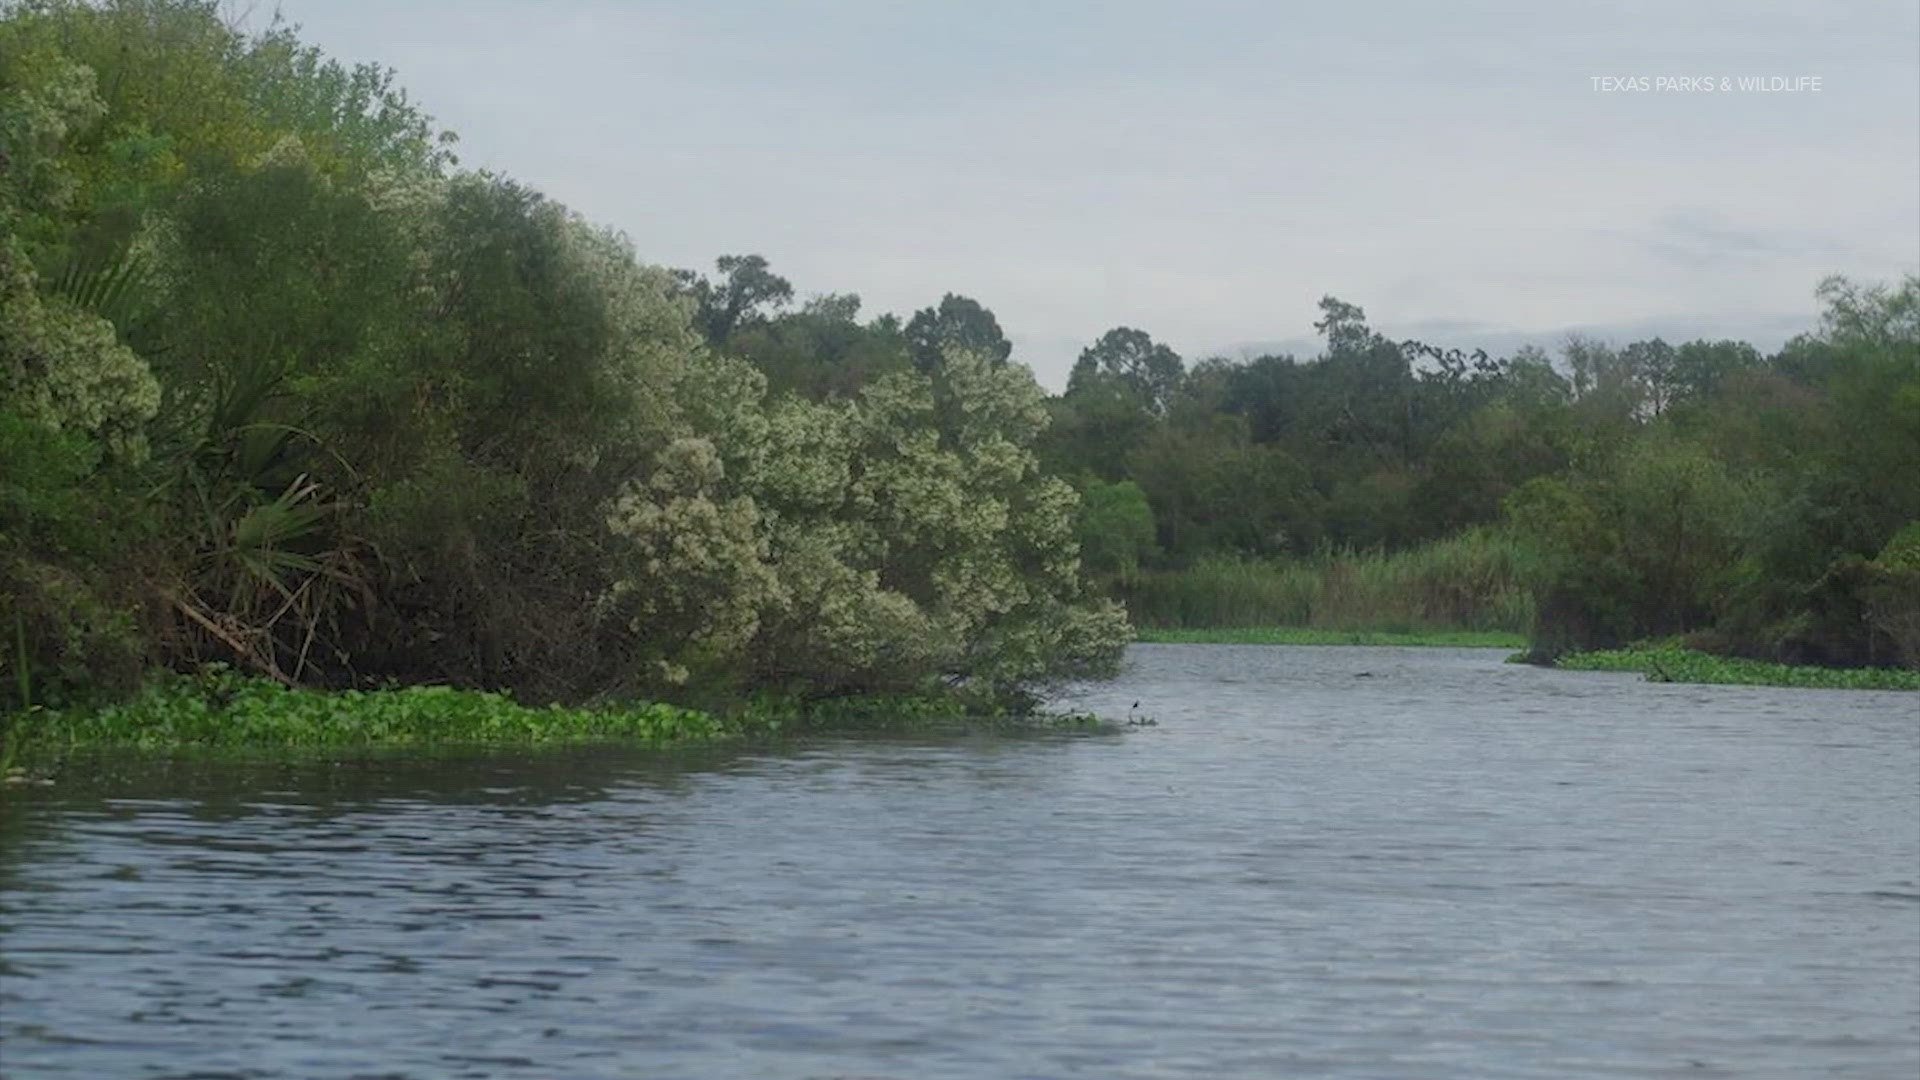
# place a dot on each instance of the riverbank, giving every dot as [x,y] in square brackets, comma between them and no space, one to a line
[1307,635]
[1670,664]
[1658,664]
[221,710]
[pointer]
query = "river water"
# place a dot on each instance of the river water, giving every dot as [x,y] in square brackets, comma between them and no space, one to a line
[1338,862]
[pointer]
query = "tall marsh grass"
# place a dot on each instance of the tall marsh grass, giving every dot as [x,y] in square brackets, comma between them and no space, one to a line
[1465,582]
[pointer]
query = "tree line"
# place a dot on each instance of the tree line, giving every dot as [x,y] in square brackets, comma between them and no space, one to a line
[284,387]
[1764,504]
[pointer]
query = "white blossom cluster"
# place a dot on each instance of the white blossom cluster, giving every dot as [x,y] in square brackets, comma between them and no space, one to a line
[60,365]
[876,542]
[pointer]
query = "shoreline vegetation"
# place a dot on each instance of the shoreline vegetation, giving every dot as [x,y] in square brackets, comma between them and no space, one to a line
[1662,663]
[1669,663]
[1306,635]
[387,449]
[219,709]
[284,388]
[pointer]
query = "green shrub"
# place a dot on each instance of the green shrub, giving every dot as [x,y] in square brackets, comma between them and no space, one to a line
[1116,529]
[1892,593]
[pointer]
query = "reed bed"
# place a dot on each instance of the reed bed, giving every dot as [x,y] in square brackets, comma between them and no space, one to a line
[1465,582]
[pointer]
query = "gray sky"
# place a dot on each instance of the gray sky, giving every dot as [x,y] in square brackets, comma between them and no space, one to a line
[1207,170]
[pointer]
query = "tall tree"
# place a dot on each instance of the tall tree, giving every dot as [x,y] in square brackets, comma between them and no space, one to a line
[747,292]
[1344,326]
[959,323]
[1132,359]
[823,350]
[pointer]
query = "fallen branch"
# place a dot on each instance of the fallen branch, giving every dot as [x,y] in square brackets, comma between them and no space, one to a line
[246,653]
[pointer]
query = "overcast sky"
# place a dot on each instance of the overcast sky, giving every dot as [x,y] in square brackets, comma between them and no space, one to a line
[1207,170]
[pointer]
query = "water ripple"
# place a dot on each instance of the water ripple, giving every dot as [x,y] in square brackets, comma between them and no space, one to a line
[1453,869]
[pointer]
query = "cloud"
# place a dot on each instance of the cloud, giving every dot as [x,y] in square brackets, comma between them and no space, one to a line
[1700,238]
[1203,171]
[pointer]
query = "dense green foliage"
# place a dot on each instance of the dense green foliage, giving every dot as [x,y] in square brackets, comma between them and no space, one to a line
[282,388]
[1754,502]
[219,708]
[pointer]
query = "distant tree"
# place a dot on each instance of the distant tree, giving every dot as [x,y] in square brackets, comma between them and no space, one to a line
[1635,382]
[1214,492]
[1871,316]
[1475,464]
[1373,511]
[959,323]
[1093,430]
[823,350]
[1651,364]
[1344,326]
[1528,380]
[1609,401]
[1362,403]
[1702,368]
[1268,391]
[834,307]
[1202,398]
[1131,359]
[746,292]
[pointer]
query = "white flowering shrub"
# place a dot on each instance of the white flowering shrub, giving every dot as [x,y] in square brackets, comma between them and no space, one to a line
[914,533]
[67,368]
[60,366]
[694,559]
[878,543]
[44,102]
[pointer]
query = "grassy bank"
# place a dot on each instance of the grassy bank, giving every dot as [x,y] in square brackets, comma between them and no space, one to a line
[1466,582]
[1297,635]
[1670,664]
